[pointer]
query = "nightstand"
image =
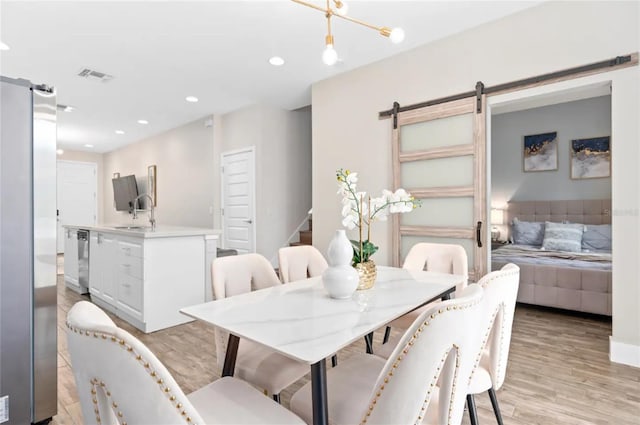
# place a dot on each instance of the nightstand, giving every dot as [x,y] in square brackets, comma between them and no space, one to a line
[497,244]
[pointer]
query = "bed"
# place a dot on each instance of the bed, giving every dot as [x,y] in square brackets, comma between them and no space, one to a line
[579,279]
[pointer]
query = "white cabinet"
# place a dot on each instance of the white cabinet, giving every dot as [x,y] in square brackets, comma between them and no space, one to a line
[130,282]
[102,257]
[71,258]
[147,280]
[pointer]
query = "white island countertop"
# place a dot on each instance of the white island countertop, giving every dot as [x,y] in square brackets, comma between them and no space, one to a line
[144,230]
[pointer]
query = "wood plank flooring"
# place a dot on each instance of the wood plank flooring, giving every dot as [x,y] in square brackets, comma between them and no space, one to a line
[558,373]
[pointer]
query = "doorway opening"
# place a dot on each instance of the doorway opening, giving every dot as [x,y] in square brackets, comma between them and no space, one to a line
[550,173]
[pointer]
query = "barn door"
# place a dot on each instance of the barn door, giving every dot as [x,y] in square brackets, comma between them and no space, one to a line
[439,157]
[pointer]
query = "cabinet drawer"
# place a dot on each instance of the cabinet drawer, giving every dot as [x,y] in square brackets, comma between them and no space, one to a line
[130,250]
[130,295]
[131,266]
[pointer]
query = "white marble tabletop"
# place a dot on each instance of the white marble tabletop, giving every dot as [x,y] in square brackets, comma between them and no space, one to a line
[301,321]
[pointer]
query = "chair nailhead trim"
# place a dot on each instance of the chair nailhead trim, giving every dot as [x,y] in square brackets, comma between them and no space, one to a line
[405,351]
[95,382]
[498,275]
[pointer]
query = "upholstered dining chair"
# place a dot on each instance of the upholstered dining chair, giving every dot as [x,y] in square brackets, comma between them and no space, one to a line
[300,262]
[255,363]
[433,257]
[500,293]
[120,381]
[439,345]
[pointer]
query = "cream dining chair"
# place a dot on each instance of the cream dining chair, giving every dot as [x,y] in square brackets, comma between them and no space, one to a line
[402,390]
[434,257]
[256,364]
[119,381]
[300,262]
[500,293]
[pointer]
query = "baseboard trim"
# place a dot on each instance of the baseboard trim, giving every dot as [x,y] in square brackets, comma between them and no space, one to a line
[620,352]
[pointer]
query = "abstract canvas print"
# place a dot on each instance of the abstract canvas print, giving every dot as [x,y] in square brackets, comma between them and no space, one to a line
[541,152]
[590,158]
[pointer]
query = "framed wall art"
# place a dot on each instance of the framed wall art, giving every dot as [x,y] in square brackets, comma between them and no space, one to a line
[151,184]
[540,152]
[590,158]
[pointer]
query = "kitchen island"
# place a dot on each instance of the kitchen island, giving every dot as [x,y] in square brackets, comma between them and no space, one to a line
[146,276]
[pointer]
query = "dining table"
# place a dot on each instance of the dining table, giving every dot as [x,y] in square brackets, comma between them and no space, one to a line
[299,319]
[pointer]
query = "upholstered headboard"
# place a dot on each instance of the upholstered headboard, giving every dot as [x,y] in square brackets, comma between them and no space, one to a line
[596,211]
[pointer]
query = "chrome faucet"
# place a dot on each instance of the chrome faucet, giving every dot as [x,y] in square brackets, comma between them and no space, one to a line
[136,202]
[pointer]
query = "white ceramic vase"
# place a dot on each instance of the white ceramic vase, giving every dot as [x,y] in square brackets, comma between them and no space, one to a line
[340,279]
[340,251]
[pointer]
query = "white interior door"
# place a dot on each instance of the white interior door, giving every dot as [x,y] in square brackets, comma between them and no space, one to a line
[77,198]
[439,157]
[238,200]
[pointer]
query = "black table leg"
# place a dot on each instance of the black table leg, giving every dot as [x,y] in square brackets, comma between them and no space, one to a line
[368,339]
[230,356]
[319,393]
[387,334]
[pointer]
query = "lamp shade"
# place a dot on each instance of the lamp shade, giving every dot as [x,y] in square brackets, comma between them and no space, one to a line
[497,216]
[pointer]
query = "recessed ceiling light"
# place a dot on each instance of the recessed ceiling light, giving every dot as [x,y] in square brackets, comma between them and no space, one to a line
[119,132]
[191,99]
[3,46]
[276,61]
[143,122]
[59,151]
[87,145]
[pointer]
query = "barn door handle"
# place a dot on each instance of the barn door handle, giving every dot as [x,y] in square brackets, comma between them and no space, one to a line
[478,232]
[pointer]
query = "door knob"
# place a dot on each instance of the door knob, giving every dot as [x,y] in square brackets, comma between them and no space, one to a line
[248,221]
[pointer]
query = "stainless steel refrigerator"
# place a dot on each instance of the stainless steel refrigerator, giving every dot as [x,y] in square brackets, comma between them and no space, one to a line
[28,320]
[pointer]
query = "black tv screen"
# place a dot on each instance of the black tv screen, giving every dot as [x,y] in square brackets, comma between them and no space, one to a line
[125,191]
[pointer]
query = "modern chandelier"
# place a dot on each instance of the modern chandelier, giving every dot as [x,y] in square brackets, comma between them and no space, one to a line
[329,55]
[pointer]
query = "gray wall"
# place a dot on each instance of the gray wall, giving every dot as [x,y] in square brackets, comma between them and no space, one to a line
[282,141]
[573,120]
[185,175]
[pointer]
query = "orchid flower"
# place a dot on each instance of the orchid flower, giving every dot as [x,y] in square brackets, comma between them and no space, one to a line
[359,210]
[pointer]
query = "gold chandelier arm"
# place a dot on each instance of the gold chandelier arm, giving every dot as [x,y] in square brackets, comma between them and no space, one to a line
[385,31]
[311,5]
[382,30]
[328,15]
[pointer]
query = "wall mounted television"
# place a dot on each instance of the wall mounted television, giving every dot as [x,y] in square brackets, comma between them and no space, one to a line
[125,191]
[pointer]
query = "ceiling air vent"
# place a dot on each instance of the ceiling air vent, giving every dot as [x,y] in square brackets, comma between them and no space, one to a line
[94,75]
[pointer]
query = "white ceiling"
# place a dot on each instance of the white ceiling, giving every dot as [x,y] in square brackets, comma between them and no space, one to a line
[161,52]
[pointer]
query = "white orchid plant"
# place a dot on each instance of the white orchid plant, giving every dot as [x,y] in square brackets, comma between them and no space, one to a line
[357,212]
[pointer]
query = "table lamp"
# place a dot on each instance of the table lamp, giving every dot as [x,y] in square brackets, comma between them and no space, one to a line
[497,217]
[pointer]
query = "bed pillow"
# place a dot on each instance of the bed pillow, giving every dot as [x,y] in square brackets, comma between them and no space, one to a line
[527,232]
[562,237]
[596,237]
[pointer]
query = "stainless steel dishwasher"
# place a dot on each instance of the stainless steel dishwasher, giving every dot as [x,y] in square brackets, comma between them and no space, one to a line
[83,260]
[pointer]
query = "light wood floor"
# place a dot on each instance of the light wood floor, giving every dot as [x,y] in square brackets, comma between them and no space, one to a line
[558,372]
